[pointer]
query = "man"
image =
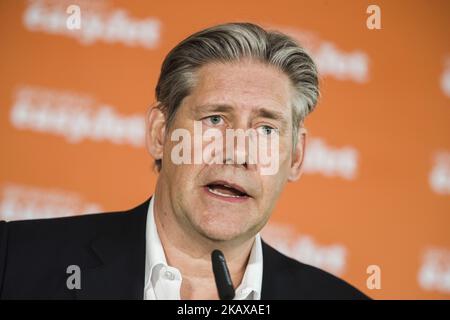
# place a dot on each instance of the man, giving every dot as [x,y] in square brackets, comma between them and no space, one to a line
[234,77]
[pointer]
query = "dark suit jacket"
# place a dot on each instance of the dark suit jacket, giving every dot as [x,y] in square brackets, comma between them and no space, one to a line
[110,251]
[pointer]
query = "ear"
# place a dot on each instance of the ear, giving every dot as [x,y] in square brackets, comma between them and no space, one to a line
[298,155]
[155,131]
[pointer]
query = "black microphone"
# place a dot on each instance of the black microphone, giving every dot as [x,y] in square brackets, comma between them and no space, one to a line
[222,276]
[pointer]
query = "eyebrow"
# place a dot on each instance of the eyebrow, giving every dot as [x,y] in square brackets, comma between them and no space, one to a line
[272,114]
[260,112]
[214,108]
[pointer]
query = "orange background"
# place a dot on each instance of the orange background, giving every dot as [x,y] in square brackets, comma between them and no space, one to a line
[396,120]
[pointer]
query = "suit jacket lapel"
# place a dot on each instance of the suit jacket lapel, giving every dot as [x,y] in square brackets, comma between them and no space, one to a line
[119,253]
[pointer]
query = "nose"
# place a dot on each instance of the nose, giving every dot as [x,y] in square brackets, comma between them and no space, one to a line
[231,161]
[237,147]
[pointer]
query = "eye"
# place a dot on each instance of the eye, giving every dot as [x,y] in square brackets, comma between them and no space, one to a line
[266,130]
[213,120]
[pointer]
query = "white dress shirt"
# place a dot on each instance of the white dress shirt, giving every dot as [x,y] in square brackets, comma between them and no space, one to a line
[163,282]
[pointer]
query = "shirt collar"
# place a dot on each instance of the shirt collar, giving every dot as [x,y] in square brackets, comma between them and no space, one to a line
[250,287]
[154,250]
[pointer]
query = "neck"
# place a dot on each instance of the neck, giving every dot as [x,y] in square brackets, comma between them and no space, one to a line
[191,253]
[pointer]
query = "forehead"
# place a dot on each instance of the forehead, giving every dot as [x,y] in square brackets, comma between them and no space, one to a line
[244,85]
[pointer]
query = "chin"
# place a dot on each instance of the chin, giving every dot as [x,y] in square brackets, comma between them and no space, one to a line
[220,223]
[221,231]
[220,236]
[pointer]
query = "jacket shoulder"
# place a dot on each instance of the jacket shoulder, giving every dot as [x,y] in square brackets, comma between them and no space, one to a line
[76,227]
[286,278]
[61,226]
[34,254]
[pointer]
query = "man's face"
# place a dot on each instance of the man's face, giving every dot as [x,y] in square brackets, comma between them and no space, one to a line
[230,201]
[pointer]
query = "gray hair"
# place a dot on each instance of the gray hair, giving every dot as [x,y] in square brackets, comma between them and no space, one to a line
[233,42]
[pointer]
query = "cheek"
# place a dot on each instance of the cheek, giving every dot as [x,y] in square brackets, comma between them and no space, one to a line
[285,159]
[181,175]
[273,184]
[272,187]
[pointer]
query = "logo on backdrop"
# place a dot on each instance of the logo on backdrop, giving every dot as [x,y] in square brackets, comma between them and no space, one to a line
[332,61]
[330,161]
[96,23]
[74,116]
[434,273]
[304,248]
[439,177]
[19,202]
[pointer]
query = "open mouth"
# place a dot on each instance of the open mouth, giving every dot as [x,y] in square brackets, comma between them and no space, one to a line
[223,189]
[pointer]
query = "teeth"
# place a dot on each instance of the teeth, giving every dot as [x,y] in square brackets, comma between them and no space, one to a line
[222,194]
